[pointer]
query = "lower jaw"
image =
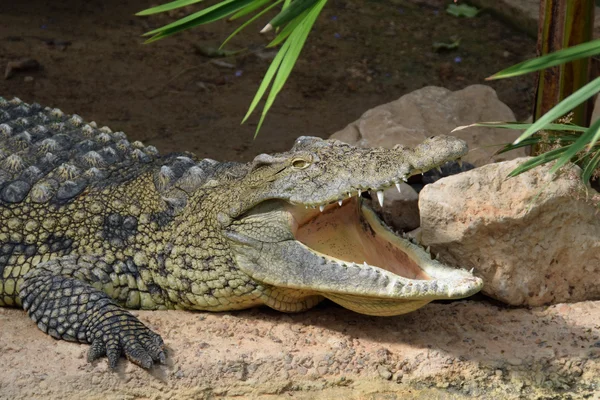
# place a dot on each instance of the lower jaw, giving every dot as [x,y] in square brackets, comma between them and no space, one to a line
[376,306]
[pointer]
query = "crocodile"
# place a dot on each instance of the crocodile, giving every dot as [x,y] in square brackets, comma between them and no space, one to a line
[92,224]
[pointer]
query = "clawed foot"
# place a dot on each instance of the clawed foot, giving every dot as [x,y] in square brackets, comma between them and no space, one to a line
[125,334]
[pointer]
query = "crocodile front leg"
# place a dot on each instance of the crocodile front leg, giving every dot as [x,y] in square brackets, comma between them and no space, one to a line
[58,295]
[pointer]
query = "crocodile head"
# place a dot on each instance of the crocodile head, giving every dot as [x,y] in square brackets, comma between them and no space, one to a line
[300,222]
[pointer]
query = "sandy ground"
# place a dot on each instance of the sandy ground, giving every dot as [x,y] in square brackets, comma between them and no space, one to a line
[466,349]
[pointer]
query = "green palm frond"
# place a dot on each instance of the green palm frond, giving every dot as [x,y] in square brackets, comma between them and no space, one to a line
[588,49]
[167,7]
[289,54]
[579,146]
[563,108]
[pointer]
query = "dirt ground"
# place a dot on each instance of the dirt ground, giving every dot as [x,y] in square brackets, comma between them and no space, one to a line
[167,94]
[459,350]
[361,54]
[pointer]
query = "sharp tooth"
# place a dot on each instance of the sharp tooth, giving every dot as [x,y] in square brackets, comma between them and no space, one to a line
[459,161]
[349,194]
[340,201]
[398,187]
[321,207]
[365,264]
[380,197]
[359,192]
[404,179]
[472,269]
[428,249]
[438,169]
[437,256]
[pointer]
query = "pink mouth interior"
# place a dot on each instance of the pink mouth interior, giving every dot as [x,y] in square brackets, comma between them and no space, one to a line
[343,233]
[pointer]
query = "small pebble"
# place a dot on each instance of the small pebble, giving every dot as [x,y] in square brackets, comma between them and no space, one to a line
[397,377]
[384,372]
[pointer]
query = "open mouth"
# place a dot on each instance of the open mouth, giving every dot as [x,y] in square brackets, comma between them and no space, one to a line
[345,253]
[351,232]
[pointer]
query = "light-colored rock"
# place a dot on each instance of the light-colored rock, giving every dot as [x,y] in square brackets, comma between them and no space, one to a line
[433,111]
[400,209]
[534,239]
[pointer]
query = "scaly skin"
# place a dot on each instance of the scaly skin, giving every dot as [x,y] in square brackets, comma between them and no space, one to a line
[91,224]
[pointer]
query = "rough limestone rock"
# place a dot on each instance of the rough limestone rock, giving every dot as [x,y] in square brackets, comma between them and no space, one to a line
[432,111]
[534,239]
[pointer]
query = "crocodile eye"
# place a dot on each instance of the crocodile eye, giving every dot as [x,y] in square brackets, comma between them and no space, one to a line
[300,163]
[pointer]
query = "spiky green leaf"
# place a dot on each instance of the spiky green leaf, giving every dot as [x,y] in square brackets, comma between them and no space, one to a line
[596,128]
[583,50]
[167,7]
[522,126]
[266,80]
[295,8]
[562,108]
[576,147]
[539,160]
[251,20]
[533,140]
[210,14]
[296,41]
[590,167]
[255,5]
[288,29]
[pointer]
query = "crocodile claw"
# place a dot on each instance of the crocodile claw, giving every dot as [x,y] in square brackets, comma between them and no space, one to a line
[138,343]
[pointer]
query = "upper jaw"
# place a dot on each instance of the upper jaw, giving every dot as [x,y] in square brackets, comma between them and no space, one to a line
[377,170]
[339,171]
[342,196]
